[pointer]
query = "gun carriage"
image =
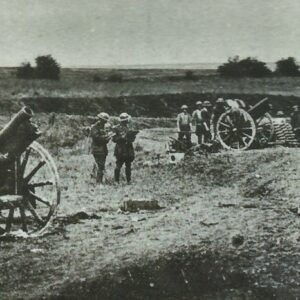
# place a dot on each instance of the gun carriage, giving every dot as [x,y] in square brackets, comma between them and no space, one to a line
[29,181]
[239,128]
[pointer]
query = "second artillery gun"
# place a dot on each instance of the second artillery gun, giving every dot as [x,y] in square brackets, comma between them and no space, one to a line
[239,128]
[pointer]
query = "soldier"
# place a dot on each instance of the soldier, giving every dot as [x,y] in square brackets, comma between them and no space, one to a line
[197,120]
[295,121]
[100,139]
[184,125]
[205,115]
[124,151]
[217,111]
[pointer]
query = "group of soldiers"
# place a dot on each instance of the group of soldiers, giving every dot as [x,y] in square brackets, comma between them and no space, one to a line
[101,133]
[200,118]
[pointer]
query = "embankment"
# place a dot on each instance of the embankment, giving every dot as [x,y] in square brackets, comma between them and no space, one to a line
[164,105]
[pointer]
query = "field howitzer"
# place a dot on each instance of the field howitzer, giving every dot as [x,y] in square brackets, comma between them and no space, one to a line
[239,129]
[29,181]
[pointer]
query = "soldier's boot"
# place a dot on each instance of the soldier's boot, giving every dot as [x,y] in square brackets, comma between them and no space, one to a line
[117,175]
[128,174]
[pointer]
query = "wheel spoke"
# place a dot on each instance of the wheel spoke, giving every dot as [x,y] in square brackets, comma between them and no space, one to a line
[40,199]
[226,137]
[40,184]
[34,171]
[225,125]
[243,142]
[24,162]
[247,135]
[223,131]
[34,213]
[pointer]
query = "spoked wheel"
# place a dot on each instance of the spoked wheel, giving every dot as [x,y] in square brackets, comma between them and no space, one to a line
[235,129]
[36,193]
[264,129]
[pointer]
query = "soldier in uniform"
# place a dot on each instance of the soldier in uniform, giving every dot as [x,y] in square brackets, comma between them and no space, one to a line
[295,121]
[197,120]
[100,138]
[124,151]
[205,116]
[218,109]
[184,125]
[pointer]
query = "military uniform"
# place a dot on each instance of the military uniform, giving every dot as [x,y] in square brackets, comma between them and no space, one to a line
[124,151]
[184,121]
[197,119]
[100,139]
[205,116]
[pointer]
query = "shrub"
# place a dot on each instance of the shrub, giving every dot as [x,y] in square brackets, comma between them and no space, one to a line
[287,67]
[248,67]
[47,68]
[115,77]
[25,71]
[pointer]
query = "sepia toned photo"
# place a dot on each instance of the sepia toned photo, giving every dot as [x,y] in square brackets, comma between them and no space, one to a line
[149,150]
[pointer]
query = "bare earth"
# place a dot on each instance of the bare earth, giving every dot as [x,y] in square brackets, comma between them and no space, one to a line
[228,229]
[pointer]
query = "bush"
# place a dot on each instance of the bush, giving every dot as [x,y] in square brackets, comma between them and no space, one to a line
[47,68]
[25,71]
[248,67]
[115,77]
[287,67]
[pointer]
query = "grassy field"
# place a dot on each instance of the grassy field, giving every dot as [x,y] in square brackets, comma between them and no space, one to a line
[228,227]
[151,255]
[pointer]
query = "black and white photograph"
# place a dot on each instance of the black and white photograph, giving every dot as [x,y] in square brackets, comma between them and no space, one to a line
[149,150]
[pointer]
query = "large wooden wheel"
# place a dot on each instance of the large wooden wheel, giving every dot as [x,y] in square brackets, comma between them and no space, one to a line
[235,129]
[264,129]
[35,193]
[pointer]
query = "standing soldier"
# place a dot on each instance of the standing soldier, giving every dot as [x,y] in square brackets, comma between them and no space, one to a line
[184,126]
[100,139]
[217,111]
[124,151]
[197,120]
[295,121]
[205,115]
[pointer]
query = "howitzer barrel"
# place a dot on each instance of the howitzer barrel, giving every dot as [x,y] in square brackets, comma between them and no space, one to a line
[259,109]
[9,129]
[18,133]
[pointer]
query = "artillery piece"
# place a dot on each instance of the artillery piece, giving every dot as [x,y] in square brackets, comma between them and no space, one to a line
[239,128]
[29,181]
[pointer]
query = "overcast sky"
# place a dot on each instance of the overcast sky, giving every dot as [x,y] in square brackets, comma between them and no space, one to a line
[130,32]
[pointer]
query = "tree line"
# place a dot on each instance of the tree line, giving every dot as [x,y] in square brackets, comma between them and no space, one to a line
[48,68]
[252,67]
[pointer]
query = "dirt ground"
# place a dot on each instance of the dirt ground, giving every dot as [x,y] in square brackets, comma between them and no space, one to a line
[228,229]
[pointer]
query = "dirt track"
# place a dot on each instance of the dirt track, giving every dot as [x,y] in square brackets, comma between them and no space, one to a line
[227,231]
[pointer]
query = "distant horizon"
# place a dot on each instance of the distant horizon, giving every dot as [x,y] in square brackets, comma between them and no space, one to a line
[183,66]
